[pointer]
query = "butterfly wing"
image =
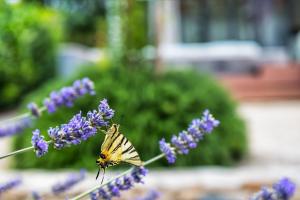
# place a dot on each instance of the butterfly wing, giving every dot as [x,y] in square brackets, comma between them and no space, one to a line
[129,154]
[110,145]
[111,135]
[118,148]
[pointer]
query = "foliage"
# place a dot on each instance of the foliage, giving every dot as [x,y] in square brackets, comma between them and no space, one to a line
[135,18]
[86,22]
[136,37]
[28,39]
[82,19]
[148,108]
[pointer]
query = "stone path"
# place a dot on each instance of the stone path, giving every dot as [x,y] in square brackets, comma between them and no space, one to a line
[5,143]
[274,131]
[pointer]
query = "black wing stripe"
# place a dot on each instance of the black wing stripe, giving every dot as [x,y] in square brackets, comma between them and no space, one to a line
[113,142]
[128,149]
[114,132]
[119,145]
[126,141]
[133,150]
[134,157]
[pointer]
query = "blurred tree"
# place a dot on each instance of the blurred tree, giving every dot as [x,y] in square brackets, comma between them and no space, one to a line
[28,40]
[116,24]
[135,28]
[115,37]
[82,18]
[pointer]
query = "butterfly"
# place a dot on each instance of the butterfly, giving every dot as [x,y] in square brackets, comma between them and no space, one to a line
[116,148]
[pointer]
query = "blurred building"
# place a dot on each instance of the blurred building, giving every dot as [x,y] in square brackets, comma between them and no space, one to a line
[254,45]
[226,35]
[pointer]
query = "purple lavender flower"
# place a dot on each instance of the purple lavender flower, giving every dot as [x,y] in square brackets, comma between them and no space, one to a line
[50,105]
[15,127]
[96,118]
[94,196]
[103,194]
[80,128]
[189,138]
[167,150]
[194,130]
[179,144]
[34,109]
[138,173]
[152,195]
[88,86]
[113,190]
[71,180]
[208,122]
[67,95]
[36,196]
[9,185]
[105,110]
[284,189]
[123,183]
[39,144]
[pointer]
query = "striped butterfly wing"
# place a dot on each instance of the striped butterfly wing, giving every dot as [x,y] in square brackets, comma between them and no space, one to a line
[118,148]
[129,154]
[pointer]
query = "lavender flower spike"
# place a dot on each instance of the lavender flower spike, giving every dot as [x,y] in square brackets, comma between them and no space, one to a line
[167,150]
[9,185]
[114,188]
[105,110]
[67,95]
[152,195]
[208,122]
[34,109]
[72,180]
[39,144]
[36,196]
[81,128]
[189,138]
[15,127]
[284,189]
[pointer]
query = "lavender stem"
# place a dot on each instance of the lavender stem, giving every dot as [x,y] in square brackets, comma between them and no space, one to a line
[20,151]
[22,116]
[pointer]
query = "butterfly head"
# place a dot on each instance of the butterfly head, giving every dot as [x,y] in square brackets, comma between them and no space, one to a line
[102,161]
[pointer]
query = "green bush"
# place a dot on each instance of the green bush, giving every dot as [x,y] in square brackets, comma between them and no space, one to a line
[148,108]
[28,38]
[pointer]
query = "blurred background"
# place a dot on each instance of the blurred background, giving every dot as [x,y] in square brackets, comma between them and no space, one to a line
[159,63]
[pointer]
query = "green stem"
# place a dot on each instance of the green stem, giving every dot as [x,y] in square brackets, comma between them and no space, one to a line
[20,151]
[22,116]
[16,118]
[80,196]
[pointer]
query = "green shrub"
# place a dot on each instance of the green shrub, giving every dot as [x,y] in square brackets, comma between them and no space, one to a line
[148,108]
[28,38]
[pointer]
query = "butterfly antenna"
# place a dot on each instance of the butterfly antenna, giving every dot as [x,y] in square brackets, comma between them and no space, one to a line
[103,175]
[98,173]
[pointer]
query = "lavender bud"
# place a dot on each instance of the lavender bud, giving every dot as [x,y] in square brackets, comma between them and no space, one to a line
[189,138]
[15,127]
[71,180]
[67,95]
[9,185]
[34,109]
[39,144]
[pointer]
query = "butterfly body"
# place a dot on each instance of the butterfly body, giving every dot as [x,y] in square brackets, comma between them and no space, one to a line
[117,148]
